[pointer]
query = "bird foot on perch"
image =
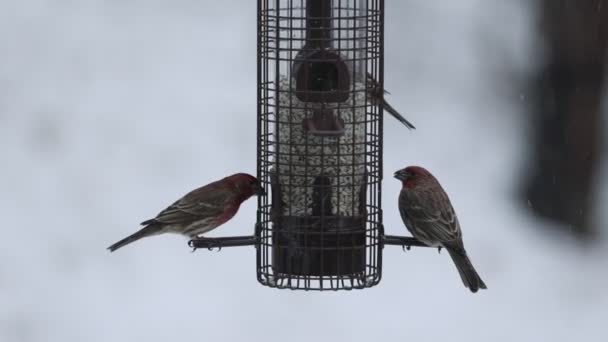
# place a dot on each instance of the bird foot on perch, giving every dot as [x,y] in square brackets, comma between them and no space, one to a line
[405,242]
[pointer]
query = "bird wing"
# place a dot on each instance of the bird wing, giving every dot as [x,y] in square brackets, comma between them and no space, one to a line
[205,202]
[429,217]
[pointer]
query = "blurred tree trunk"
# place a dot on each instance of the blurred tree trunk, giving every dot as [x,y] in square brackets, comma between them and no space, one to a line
[567,113]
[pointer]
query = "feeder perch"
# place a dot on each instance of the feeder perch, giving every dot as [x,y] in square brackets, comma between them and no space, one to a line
[319,146]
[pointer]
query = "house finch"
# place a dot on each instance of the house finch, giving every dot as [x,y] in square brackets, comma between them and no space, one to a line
[377,94]
[200,210]
[428,214]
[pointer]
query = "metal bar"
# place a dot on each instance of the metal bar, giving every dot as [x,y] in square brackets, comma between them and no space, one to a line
[318,23]
[403,241]
[221,242]
[261,93]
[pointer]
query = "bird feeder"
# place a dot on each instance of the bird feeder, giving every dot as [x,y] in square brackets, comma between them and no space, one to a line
[319,146]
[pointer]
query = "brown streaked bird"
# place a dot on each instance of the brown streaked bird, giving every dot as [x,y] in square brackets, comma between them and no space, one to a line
[428,214]
[377,95]
[200,210]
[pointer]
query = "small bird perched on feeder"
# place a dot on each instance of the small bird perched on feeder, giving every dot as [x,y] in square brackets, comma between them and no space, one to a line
[428,214]
[377,95]
[200,210]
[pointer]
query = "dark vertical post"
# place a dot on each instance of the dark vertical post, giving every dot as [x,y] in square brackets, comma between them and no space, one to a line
[567,112]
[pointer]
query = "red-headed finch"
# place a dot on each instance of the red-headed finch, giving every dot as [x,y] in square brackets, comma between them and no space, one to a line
[377,95]
[428,214]
[200,210]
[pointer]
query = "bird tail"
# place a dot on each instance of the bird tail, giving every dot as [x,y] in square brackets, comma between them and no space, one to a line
[146,231]
[392,111]
[467,272]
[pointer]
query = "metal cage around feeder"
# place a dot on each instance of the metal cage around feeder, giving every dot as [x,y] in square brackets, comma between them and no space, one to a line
[319,146]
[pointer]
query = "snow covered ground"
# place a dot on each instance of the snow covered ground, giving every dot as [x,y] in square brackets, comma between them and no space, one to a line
[109,110]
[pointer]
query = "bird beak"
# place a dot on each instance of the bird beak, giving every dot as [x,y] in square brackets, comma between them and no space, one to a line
[259,190]
[400,175]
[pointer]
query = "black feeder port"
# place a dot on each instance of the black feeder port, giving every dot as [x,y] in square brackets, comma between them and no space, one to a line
[319,146]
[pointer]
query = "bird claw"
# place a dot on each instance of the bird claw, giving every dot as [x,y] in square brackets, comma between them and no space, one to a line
[404,247]
[439,249]
[191,245]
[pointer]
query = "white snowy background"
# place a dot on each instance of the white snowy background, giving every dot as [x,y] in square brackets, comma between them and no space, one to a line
[110,110]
